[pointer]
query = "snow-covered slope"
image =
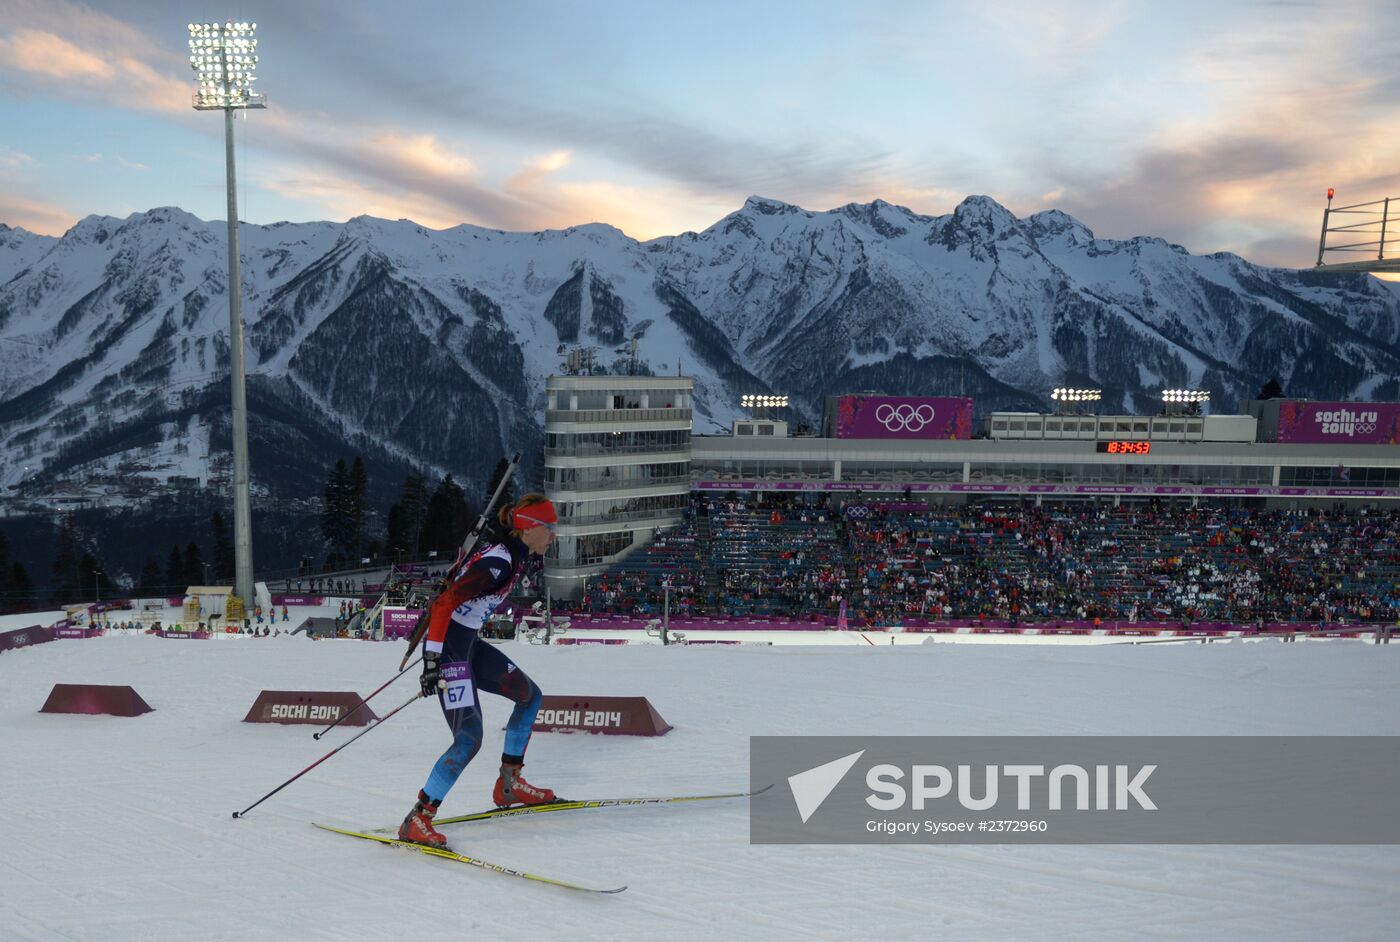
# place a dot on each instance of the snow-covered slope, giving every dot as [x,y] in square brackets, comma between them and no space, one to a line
[120,829]
[429,348]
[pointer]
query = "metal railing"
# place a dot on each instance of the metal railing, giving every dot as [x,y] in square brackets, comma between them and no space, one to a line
[624,516]
[617,415]
[616,484]
[595,451]
[1375,222]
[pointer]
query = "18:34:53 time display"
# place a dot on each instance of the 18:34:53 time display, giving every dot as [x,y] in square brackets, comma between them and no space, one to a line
[1124,448]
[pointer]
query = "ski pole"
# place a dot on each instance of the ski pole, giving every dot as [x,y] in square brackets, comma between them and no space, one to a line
[346,715]
[239,814]
[467,546]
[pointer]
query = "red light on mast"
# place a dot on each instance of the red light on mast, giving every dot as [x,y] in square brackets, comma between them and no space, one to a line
[1331,192]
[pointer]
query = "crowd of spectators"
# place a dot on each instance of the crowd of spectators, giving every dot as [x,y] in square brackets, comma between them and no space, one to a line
[320,585]
[775,559]
[797,555]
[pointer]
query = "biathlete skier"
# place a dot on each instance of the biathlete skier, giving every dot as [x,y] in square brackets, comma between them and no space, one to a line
[457,663]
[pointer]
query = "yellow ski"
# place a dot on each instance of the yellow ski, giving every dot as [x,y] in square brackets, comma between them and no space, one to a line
[463,858]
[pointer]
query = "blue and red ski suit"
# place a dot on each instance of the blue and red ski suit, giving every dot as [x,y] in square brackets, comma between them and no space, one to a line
[469,664]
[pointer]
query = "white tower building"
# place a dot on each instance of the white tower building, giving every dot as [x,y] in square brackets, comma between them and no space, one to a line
[616,466]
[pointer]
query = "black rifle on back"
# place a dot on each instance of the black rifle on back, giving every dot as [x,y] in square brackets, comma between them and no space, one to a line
[462,555]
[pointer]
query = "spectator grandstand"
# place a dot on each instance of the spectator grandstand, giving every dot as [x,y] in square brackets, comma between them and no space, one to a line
[803,554]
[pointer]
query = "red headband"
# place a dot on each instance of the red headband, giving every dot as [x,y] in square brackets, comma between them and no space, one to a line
[535,515]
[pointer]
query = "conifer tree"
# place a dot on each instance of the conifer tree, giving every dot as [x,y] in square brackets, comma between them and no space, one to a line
[151,582]
[405,518]
[224,563]
[175,582]
[445,524]
[357,483]
[192,564]
[65,562]
[333,510]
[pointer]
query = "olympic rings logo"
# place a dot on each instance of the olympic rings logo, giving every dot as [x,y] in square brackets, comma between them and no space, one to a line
[1365,428]
[904,417]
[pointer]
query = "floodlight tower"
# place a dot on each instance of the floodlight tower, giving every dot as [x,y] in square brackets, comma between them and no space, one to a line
[224,57]
[1175,399]
[760,403]
[1068,397]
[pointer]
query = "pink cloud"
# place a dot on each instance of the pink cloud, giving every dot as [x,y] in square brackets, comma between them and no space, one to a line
[421,154]
[73,51]
[1285,113]
[36,216]
[45,54]
[342,197]
[11,159]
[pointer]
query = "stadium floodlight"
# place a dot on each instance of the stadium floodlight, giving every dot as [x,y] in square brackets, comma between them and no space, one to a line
[1076,395]
[224,57]
[763,401]
[1185,395]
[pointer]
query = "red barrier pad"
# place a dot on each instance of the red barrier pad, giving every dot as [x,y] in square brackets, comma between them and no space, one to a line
[310,706]
[616,716]
[24,637]
[109,699]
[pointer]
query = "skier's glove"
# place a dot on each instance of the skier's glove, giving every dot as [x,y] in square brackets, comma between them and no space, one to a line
[431,678]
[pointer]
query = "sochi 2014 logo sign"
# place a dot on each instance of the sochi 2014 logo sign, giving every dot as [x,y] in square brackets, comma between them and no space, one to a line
[904,417]
[1348,422]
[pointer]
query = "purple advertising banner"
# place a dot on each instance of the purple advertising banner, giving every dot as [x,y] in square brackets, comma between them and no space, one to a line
[24,637]
[1339,423]
[297,600]
[904,417]
[400,622]
[919,624]
[176,634]
[77,632]
[1162,490]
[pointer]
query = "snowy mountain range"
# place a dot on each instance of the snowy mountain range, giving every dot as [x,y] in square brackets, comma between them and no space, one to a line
[430,348]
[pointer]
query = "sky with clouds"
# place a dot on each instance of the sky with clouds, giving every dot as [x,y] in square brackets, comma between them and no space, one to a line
[1218,125]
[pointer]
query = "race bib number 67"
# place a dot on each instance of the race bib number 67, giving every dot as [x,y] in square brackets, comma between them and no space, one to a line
[457,694]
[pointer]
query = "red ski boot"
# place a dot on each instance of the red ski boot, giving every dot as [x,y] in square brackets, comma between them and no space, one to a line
[511,789]
[418,828]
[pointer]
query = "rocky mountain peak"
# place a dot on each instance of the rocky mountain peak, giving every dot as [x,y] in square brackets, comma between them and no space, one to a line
[1053,223]
[168,215]
[887,219]
[769,207]
[984,215]
[92,229]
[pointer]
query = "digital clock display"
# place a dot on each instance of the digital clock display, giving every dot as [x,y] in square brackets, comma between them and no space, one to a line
[1124,448]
